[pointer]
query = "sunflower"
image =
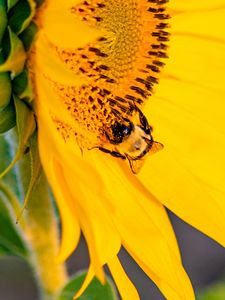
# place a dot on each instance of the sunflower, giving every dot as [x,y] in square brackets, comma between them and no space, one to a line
[94,66]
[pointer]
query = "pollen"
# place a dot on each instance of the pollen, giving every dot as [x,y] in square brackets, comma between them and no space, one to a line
[119,69]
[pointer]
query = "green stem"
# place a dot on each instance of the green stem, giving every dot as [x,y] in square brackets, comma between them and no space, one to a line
[42,233]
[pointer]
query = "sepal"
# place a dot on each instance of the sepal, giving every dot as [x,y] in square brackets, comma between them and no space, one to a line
[25,127]
[5,86]
[11,3]
[3,18]
[28,35]
[34,173]
[7,118]
[17,32]
[21,15]
[16,57]
[22,87]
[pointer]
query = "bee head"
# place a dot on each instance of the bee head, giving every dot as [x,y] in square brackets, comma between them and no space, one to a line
[120,132]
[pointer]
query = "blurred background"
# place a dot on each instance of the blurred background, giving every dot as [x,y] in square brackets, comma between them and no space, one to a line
[204,261]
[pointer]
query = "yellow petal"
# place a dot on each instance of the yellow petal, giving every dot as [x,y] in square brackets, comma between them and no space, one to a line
[197,61]
[187,5]
[96,223]
[205,105]
[65,152]
[142,222]
[90,275]
[131,188]
[58,20]
[49,66]
[179,190]
[126,288]
[197,146]
[70,226]
[187,173]
[197,25]
[186,292]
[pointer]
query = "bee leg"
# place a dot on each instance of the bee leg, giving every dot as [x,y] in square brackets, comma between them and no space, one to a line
[144,122]
[113,153]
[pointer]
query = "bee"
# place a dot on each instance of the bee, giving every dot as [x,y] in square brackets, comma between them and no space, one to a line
[132,141]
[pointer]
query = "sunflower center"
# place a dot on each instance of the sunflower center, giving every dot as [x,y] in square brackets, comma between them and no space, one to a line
[119,69]
[117,49]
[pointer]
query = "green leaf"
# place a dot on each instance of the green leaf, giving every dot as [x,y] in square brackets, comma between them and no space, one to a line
[16,57]
[216,292]
[21,15]
[11,240]
[3,18]
[5,83]
[25,126]
[95,291]
[7,118]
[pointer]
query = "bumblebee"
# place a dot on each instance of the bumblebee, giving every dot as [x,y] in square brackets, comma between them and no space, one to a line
[131,141]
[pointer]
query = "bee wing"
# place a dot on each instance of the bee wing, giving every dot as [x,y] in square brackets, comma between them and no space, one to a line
[156,146]
[137,164]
